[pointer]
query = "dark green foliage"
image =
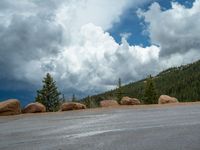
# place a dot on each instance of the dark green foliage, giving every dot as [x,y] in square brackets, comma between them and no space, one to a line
[88,102]
[181,82]
[49,94]
[73,98]
[150,96]
[119,92]
[91,103]
[119,83]
[63,99]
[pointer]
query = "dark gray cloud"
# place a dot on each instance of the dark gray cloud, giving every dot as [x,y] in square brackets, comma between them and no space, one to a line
[27,39]
[68,39]
[44,36]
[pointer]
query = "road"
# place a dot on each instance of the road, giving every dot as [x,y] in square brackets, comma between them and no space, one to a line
[160,128]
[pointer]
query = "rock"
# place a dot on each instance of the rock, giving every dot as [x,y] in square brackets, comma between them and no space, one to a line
[10,107]
[72,106]
[34,108]
[129,101]
[108,103]
[165,99]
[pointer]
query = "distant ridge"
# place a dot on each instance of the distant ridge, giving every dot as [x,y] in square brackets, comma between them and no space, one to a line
[181,82]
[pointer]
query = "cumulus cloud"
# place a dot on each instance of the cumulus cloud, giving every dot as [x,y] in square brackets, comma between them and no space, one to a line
[96,62]
[175,30]
[69,40]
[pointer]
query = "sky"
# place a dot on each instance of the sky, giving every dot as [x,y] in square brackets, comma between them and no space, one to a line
[87,45]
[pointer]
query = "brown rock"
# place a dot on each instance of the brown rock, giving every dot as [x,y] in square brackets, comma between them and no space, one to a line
[165,99]
[72,106]
[10,107]
[129,101]
[108,103]
[34,108]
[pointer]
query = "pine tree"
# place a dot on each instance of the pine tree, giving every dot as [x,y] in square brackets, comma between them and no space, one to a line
[73,98]
[63,99]
[88,102]
[150,92]
[119,91]
[49,94]
[91,102]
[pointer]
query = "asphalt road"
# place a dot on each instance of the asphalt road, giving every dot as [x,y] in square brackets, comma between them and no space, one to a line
[165,128]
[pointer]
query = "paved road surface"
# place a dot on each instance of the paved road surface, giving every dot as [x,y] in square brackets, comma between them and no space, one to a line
[166,128]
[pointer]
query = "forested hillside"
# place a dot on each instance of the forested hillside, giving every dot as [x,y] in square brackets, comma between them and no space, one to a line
[181,82]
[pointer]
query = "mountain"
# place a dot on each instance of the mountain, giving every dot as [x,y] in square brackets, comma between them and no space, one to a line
[181,82]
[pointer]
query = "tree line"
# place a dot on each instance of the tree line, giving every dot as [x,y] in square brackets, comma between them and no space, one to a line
[181,82]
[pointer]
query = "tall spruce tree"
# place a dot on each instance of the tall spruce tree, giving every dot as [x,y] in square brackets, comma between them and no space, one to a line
[88,102]
[73,98]
[49,94]
[119,91]
[150,95]
[63,99]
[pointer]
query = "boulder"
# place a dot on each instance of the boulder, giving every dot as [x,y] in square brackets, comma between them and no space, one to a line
[34,108]
[10,107]
[72,106]
[108,103]
[129,101]
[165,99]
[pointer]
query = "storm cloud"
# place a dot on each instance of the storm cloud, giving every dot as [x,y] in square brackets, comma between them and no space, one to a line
[69,39]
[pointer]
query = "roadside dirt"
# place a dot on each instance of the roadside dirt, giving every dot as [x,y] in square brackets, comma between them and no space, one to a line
[103,109]
[148,106]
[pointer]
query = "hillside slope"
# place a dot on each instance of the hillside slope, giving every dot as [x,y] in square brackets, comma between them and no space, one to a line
[182,82]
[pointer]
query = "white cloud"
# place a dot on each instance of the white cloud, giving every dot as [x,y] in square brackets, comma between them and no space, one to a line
[175,30]
[101,13]
[94,63]
[69,39]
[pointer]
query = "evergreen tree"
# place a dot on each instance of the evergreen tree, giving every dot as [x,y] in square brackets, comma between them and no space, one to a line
[49,94]
[63,99]
[119,91]
[73,98]
[181,82]
[88,102]
[119,83]
[91,102]
[150,92]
